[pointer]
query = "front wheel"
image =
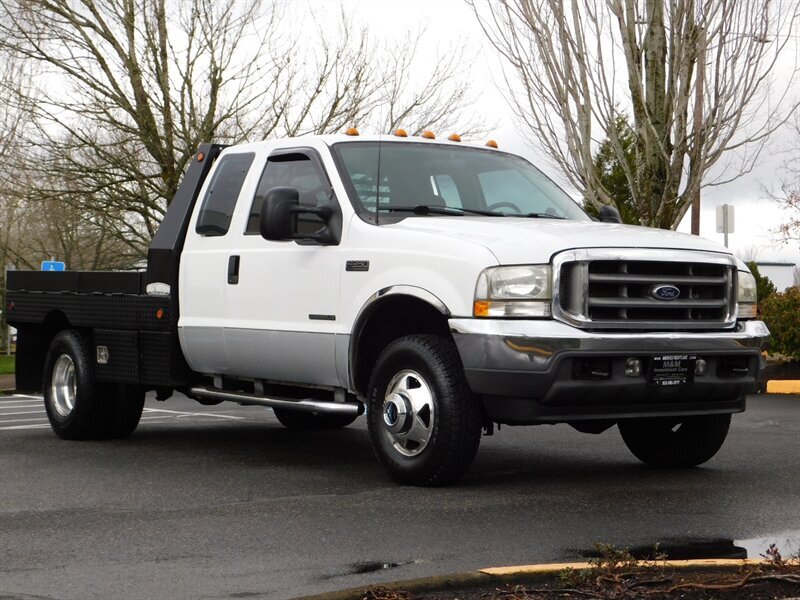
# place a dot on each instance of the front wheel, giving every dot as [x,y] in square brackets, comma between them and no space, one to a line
[424,422]
[675,441]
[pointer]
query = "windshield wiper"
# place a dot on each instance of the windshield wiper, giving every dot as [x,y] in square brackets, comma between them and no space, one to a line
[434,209]
[539,215]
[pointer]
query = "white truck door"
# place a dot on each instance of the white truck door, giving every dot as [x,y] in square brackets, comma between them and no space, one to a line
[281,310]
[204,265]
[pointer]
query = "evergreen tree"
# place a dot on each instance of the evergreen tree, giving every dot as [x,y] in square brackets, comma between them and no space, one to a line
[764,287]
[611,173]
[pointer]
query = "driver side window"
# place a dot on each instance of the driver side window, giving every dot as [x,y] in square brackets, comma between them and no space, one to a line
[296,171]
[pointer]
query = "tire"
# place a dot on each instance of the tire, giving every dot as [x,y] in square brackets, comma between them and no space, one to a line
[309,421]
[424,422]
[79,407]
[123,411]
[672,442]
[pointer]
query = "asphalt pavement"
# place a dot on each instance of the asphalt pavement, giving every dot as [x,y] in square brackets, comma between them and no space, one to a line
[223,502]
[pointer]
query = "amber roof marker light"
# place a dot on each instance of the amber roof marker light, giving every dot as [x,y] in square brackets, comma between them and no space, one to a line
[428,135]
[351,131]
[454,137]
[200,157]
[400,133]
[491,144]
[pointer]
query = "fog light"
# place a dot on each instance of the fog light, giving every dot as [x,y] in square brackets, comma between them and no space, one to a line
[700,367]
[633,367]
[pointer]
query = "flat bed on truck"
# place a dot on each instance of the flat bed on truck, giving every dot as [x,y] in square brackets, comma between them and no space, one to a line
[443,286]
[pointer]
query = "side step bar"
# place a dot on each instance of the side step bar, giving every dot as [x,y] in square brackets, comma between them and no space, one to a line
[307,405]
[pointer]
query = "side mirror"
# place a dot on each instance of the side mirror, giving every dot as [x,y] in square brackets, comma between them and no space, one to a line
[279,214]
[279,218]
[609,214]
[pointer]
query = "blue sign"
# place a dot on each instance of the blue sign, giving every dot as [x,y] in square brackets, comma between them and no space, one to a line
[53,265]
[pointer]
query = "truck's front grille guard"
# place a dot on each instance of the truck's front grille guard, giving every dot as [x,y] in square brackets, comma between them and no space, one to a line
[576,302]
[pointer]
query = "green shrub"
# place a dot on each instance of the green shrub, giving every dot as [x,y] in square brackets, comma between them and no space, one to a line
[764,286]
[781,313]
[7,365]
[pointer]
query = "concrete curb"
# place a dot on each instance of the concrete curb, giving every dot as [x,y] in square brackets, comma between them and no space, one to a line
[678,564]
[509,575]
[783,386]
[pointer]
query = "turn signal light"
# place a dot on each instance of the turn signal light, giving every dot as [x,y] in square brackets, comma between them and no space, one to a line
[480,308]
[351,131]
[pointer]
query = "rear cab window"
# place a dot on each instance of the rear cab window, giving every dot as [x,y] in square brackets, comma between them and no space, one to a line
[219,202]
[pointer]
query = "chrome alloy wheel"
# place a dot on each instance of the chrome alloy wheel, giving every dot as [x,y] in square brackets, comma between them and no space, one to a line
[408,413]
[62,385]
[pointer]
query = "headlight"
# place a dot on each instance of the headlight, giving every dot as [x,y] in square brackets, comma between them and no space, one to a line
[523,291]
[746,296]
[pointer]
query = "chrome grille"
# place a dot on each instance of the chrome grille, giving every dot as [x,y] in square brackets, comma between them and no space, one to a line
[617,289]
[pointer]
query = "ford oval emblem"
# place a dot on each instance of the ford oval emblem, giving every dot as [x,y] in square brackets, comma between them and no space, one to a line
[665,291]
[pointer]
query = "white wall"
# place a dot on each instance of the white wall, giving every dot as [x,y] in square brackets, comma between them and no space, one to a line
[781,275]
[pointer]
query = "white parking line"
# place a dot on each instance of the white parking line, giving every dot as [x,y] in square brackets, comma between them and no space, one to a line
[193,414]
[20,405]
[26,401]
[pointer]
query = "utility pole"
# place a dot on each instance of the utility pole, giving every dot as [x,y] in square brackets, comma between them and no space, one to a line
[698,113]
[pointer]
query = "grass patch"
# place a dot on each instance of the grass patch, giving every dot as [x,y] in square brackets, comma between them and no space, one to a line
[7,364]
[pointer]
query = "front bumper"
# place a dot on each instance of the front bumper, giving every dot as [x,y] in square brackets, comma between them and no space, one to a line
[533,371]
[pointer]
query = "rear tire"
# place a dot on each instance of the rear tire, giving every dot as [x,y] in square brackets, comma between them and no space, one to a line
[424,422]
[72,398]
[124,410]
[671,442]
[77,405]
[309,421]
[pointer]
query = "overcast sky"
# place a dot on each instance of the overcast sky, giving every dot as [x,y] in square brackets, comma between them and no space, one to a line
[448,22]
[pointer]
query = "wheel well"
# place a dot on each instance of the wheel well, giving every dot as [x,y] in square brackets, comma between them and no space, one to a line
[391,318]
[33,342]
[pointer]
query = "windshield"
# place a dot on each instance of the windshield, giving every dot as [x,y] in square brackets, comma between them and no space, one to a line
[448,181]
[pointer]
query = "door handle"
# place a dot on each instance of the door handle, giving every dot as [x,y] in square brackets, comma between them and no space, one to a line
[233,270]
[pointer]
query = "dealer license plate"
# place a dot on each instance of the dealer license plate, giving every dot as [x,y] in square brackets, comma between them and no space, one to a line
[671,369]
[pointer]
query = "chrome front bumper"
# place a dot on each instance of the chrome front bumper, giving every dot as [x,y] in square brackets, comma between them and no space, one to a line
[531,365]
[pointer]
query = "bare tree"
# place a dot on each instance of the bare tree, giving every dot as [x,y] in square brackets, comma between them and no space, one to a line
[695,75]
[748,254]
[13,118]
[787,192]
[420,99]
[130,88]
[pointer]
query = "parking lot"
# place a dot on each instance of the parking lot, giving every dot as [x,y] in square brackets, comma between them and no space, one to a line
[23,412]
[223,502]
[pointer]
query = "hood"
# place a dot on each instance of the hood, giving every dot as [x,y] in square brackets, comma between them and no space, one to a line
[523,240]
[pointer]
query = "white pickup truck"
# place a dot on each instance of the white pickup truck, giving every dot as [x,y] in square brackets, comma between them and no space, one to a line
[440,286]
